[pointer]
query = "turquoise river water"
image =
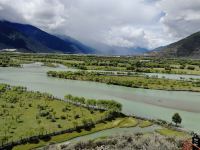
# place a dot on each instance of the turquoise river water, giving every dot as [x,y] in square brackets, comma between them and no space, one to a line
[157,104]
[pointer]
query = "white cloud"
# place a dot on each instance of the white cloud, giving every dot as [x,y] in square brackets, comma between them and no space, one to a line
[124,23]
[126,36]
[182,17]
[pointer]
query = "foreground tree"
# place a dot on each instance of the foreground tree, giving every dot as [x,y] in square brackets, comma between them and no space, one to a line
[176,118]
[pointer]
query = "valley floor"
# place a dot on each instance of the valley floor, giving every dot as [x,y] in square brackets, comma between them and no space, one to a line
[26,113]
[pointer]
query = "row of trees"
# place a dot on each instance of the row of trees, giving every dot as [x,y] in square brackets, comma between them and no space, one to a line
[95,104]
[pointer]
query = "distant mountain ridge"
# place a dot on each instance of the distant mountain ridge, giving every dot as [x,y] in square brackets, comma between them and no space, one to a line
[27,38]
[187,47]
[104,49]
[127,51]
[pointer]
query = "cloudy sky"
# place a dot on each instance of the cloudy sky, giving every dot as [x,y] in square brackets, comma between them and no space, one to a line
[122,23]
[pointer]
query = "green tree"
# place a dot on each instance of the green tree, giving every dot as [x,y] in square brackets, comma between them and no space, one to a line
[176,118]
[138,64]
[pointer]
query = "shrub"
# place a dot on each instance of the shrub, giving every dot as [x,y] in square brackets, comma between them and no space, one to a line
[49,116]
[76,116]
[59,126]
[43,113]
[191,67]
[64,110]
[53,119]
[63,117]
[182,67]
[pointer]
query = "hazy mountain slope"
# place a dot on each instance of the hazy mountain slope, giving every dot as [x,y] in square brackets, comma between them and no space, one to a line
[104,49]
[77,43]
[187,47]
[31,39]
[11,38]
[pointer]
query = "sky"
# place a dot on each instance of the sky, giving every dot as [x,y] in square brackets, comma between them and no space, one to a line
[120,23]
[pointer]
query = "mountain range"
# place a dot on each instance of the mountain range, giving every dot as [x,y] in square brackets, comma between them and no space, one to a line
[27,38]
[105,49]
[187,47]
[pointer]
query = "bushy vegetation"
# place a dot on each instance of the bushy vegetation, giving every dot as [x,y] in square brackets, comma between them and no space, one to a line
[137,141]
[129,81]
[6,61]
[122,63]
[110,105]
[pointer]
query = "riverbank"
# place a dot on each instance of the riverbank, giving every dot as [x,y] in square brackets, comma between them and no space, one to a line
[121,63]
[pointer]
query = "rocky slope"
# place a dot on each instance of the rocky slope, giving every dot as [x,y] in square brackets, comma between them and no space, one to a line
[187,47]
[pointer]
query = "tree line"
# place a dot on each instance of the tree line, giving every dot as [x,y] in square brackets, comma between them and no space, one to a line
[128,81]
[95,104]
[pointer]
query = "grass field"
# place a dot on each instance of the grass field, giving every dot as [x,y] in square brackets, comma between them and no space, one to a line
[145,123]
[170,132]
[24,114]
